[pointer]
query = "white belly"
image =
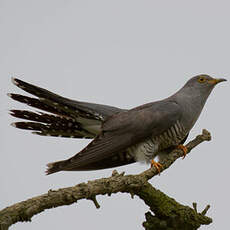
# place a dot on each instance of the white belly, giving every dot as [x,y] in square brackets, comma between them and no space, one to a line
[144,151]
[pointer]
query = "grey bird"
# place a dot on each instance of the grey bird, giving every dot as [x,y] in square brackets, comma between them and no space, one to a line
[119,136]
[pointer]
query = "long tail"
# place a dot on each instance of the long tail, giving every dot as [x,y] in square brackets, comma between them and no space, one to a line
[66,117]
[50,125]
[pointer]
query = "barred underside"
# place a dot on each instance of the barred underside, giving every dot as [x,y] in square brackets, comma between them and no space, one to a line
[148,149]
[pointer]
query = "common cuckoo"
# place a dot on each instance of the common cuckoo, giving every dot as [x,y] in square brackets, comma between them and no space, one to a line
[119,136]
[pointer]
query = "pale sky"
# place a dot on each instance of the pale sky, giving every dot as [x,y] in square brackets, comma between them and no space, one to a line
[123,53]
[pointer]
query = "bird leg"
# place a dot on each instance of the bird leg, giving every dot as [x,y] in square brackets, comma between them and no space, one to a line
[157,165]
[184,149]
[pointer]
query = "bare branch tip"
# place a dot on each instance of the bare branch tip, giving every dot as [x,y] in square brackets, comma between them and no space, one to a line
[115,173]
[195,207]
[205,210]
[93,198]
[132,195]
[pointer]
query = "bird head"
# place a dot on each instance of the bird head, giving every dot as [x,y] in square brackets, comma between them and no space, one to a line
[203,82]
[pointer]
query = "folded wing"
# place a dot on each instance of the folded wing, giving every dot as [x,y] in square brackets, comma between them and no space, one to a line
[120,132]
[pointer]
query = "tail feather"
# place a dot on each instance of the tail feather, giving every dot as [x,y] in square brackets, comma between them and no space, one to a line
[85,109]
[50,125]
[36,103]
[45,118]
[39,117]
[57,102]
[29,125]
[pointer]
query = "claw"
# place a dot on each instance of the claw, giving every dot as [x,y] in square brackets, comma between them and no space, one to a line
[184,149]
[157,165]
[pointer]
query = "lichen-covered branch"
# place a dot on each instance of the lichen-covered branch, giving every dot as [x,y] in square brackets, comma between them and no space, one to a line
[167,211]
[169,214]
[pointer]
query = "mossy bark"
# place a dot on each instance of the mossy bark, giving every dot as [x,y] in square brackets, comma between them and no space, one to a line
[168,213]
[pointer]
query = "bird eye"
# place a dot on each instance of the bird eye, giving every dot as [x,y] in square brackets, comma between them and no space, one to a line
[201,79]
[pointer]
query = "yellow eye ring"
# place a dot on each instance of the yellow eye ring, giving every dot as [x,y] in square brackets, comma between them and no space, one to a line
[201,79]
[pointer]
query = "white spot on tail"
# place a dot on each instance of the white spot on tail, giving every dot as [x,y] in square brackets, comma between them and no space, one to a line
[14,81]
[49,167]
[14,125]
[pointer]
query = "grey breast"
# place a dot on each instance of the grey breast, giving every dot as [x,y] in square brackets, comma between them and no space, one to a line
[146,150]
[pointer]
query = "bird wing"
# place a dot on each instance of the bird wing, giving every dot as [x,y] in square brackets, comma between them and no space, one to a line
[123,130]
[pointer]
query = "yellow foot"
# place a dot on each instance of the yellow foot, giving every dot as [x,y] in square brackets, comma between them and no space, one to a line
[157,165]
[184,149]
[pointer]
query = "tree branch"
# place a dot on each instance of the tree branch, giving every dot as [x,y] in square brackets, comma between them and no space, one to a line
[167,211]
